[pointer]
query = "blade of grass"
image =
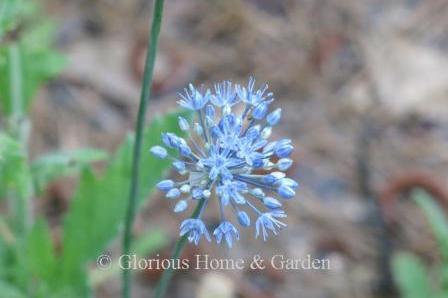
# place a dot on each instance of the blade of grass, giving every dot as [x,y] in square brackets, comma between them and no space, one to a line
[144,97]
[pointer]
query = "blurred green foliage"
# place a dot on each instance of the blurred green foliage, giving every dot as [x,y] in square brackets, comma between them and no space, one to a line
[414,279]
[12,12]
[51,166]
[27,57]
[93,220]
[15,173]
[99,205]
[32,264]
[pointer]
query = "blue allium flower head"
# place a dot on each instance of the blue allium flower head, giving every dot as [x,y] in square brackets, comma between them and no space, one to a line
[228,158]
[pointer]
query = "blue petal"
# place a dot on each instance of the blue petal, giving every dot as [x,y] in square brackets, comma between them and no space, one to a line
[179,165]
[180,206]
[196,193]
[185,150]
[243,218]
[274,117]
[271,203]
[284,164]
[165,185]
[260,111]
[269,179]
[286,192]
[257,192]
[210,111]
[183,123]
[173,193]
[284,151]
[159,151]
[289,182]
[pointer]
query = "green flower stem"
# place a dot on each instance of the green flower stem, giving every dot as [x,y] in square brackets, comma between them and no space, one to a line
[144,97]
[15,78]
[180,244]
[19,128]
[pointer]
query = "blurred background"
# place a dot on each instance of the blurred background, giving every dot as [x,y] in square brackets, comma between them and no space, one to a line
[363,86]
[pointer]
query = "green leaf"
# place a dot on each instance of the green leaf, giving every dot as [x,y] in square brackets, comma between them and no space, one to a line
[4,253]
[150,242]
[24,65]
[54,165]
[42,265]
[41,260]
[8,290]
[436,218]
[411,276]
[443,280]
[99,205]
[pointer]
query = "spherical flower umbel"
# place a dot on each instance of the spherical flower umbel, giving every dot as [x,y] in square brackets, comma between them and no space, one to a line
[228,158]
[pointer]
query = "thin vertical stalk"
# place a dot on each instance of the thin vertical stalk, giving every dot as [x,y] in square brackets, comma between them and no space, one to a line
[20,200]
[16,98]
[178,248]
[15,78]
[139,127]
[19,128]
